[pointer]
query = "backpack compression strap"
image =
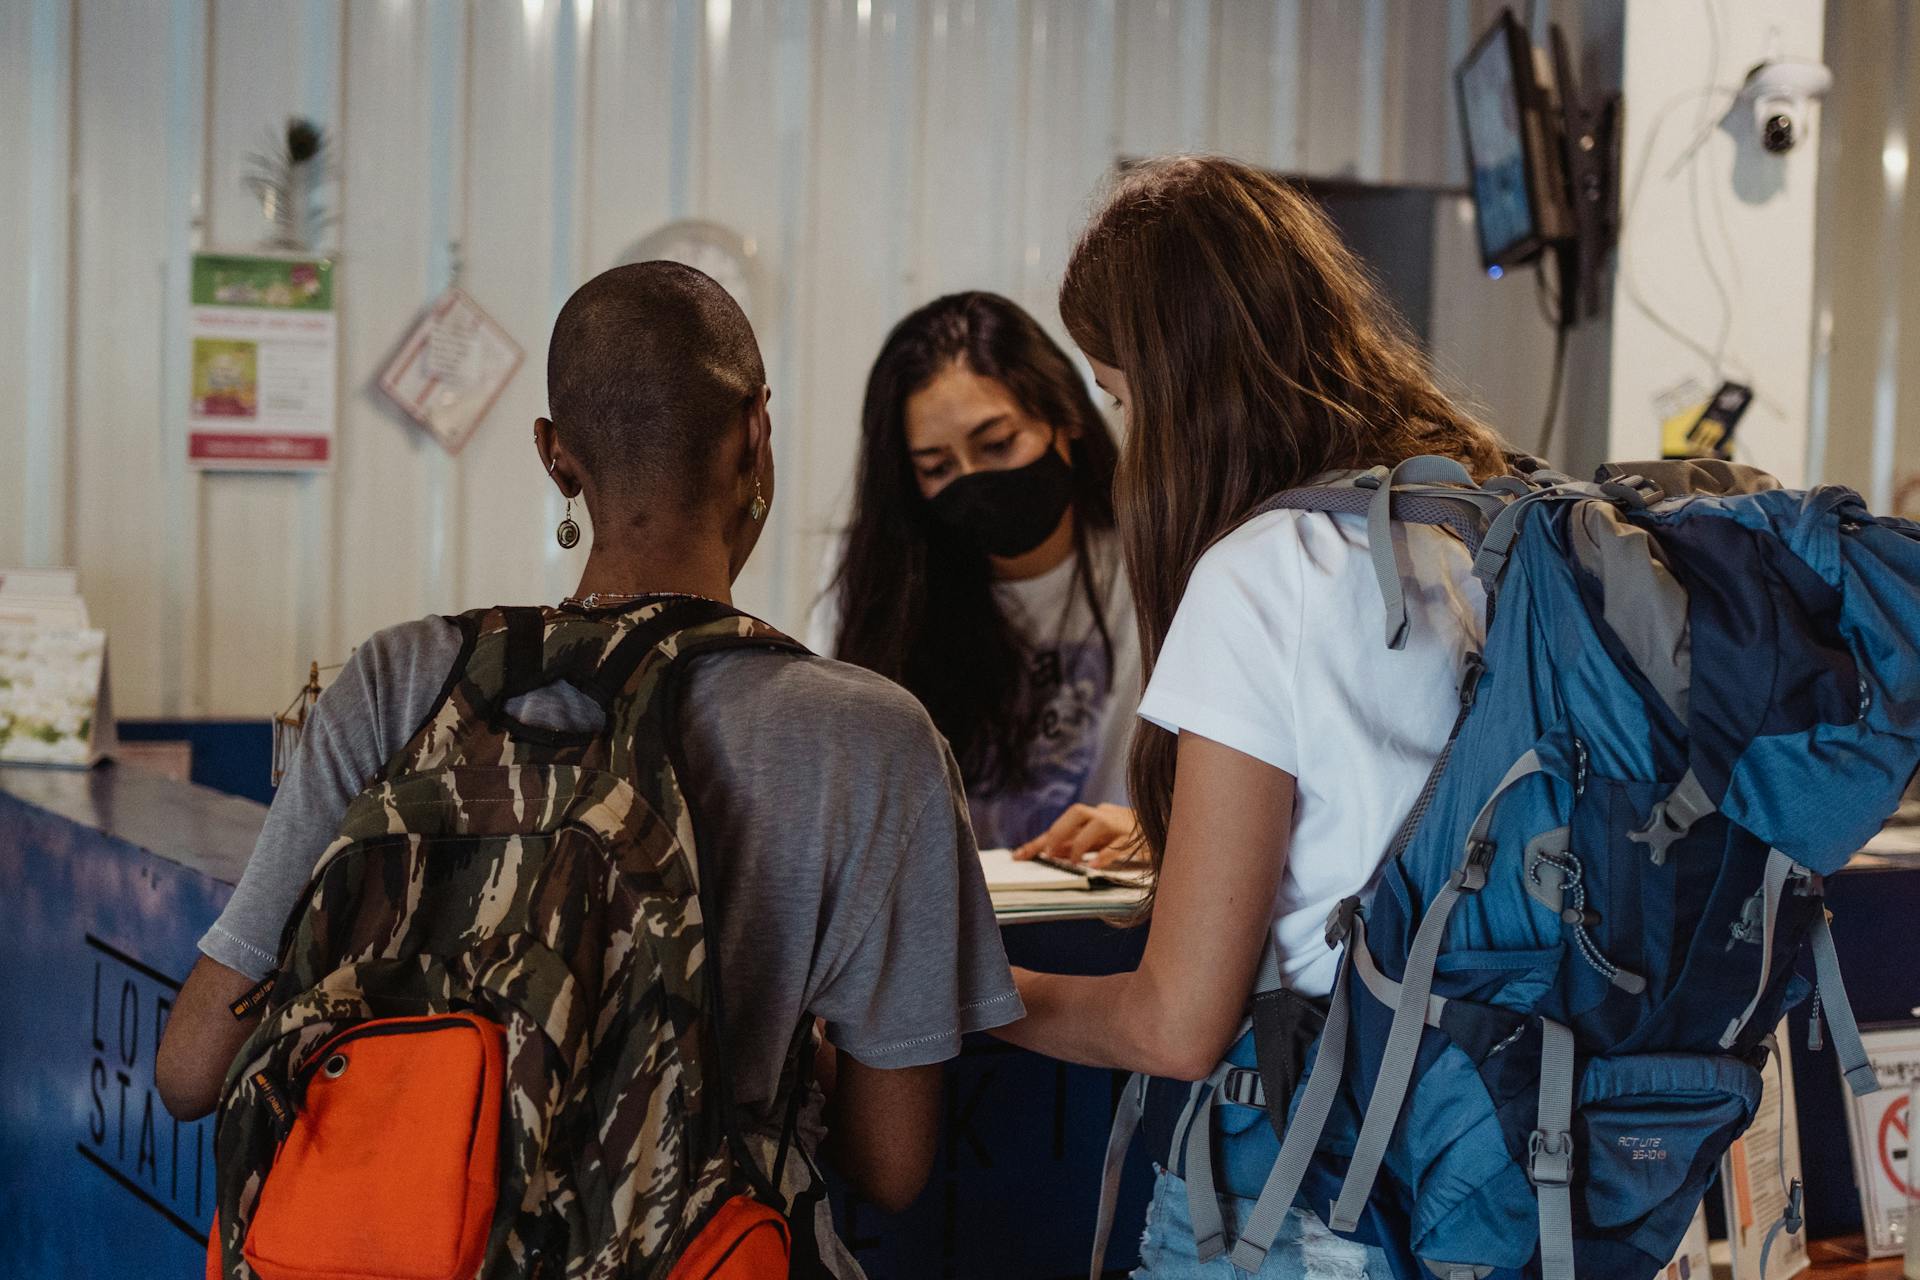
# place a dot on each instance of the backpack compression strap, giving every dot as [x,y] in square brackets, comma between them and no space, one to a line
[1423,490]
[721,629]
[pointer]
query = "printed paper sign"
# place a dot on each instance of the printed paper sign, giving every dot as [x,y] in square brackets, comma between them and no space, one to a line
[1692,1261]
[1758,1172]
[1881,1126]
[265,355]
[451,368]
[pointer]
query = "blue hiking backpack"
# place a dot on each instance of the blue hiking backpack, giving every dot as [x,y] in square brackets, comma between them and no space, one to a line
[1699,694]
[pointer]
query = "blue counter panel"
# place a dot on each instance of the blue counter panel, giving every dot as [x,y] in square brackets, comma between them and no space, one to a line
[99,1180]
[1017,1178]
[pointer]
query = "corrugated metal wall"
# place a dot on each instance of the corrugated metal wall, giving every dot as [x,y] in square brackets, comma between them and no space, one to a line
[877,151]
[1866,400]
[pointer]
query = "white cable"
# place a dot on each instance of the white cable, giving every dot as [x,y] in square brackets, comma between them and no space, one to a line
[1628,222]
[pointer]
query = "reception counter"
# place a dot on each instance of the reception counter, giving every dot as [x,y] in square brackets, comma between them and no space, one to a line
[109,878]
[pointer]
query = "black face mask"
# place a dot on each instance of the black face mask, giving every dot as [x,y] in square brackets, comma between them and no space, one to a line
[1008,513]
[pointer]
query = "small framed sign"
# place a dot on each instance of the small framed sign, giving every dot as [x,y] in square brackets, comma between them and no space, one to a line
[451,367]
[1880,1126]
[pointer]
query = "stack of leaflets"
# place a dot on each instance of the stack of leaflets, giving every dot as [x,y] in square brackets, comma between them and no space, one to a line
[54,702]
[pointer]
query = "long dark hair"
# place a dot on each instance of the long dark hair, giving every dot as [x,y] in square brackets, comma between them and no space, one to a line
[916,601]
[1258,353]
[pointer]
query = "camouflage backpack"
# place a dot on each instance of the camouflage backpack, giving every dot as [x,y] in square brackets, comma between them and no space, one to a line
[546,887]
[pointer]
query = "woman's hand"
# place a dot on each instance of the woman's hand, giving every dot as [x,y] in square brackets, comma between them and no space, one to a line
[1227,843]
[1091,835]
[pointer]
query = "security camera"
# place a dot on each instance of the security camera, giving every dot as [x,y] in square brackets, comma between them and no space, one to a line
[1779,91]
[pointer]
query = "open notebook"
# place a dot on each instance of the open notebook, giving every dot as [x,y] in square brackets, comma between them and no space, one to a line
[1004,874]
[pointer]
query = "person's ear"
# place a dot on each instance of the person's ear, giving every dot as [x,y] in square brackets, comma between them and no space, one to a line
[553,458]
[759,422]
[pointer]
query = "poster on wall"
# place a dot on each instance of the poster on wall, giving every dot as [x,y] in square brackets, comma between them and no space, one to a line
[264,346]
[1880,1126]
[451,367]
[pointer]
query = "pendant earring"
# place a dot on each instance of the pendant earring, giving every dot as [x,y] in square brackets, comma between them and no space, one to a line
[567,534]
[757,509]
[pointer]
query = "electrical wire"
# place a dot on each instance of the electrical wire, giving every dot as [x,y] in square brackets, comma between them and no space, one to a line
[1546,296]
[1637,187]
[1562,330]
[1711,102]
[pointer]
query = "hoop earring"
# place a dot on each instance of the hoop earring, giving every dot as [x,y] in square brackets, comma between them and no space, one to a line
[757,509]
[567,533]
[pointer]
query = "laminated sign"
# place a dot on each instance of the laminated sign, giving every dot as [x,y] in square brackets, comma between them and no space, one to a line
[265,357]
[451,368]
[1758,1173]
[1881,1126]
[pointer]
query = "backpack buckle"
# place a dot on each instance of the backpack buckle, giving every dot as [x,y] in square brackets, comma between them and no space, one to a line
[1340,921]
[1550,1159]
[1242,1087]
[1470,678]
[1472,875]
[1636,492]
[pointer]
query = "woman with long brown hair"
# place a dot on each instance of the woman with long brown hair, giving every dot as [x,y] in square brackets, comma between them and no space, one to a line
[981,569]
[1282,742]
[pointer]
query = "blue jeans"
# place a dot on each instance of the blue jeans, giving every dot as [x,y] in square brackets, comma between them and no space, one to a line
[1306,1250]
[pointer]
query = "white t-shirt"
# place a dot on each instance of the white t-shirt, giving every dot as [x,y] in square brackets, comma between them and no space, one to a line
[1079,750]
[1279,650]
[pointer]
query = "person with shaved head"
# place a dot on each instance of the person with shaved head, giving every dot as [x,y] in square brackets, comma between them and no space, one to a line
[830,814]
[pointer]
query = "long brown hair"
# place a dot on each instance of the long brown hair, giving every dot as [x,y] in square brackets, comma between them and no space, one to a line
[1258,353]
[916,601]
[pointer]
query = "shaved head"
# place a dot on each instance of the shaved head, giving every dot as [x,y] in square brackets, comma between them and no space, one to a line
[648,365]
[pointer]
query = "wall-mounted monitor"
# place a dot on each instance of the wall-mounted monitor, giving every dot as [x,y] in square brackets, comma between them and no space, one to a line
[1513,176]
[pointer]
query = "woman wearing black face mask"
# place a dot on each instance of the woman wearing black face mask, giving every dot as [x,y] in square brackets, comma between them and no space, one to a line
[982,572]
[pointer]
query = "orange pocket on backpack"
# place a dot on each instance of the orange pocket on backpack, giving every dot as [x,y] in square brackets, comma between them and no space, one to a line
[744,1240]
[391,1166]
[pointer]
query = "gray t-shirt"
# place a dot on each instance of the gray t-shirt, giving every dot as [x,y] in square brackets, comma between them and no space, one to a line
[831,810]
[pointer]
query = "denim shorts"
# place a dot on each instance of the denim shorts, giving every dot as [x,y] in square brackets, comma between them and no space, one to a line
[1305,1250]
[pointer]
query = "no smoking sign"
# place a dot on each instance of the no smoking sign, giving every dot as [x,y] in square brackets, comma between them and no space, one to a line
[1880,1126]
[1895,1151]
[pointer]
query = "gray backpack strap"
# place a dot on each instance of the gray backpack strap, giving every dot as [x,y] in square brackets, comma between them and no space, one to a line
[1410,1012]
[1791,1218]
[1423,490]
[1847,1046]
[1269,1213]
[1772,886]
[1550,1151]
[1203,1196]
[1126,1119]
